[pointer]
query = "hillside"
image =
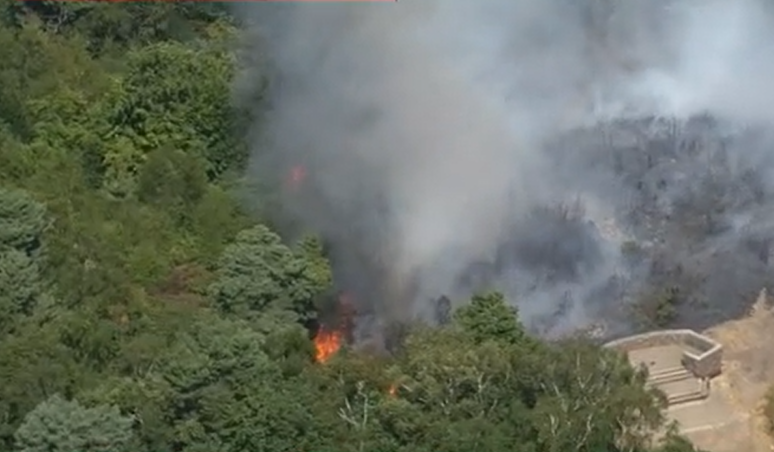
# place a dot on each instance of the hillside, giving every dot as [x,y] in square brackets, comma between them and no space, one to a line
[150,302]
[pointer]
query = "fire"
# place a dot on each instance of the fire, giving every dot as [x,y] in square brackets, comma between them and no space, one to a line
[326,344]
[393,390]
[296,177]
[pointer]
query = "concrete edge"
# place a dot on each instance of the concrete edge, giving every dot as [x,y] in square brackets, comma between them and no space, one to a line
[706,364]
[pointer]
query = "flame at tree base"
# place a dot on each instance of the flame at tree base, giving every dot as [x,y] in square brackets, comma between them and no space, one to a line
[296,177]
[326,344]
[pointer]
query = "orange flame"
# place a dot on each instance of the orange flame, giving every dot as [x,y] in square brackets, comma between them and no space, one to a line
[326,344]
[393,390]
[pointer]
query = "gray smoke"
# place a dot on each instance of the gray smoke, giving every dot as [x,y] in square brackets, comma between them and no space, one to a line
[571,153]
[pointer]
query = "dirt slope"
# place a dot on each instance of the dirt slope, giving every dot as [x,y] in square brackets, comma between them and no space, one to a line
[748,371]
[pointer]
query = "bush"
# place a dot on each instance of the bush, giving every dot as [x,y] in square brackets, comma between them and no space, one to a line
[768,410]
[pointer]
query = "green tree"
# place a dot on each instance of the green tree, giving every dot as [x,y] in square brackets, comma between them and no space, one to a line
[259,274]
[22,221]
[158,108]
[33,365]
[173,181]
[216,221]
[228,393]
[464,390]
[592,399]
[60,425]
[21,289]
[488,317]
[113,27]
[481,384]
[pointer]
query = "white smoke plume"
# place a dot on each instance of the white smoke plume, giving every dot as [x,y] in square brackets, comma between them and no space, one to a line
[454,145]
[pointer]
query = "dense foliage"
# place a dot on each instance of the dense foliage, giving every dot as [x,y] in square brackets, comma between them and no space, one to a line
[141,309]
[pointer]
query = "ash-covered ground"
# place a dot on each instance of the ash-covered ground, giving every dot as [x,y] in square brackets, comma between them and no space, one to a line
[682,208]
[673,209]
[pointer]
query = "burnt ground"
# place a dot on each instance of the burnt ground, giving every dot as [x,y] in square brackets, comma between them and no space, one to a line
[654,223]
[689,210]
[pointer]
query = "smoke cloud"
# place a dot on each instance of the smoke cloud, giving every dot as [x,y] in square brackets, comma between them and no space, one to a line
[573,154]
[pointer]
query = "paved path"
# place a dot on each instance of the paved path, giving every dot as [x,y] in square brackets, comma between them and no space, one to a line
[715,423]
[657,358]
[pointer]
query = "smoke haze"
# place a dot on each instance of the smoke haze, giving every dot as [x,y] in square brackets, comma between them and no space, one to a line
[570,153]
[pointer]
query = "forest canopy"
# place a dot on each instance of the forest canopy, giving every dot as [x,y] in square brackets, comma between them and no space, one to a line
[145,307]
